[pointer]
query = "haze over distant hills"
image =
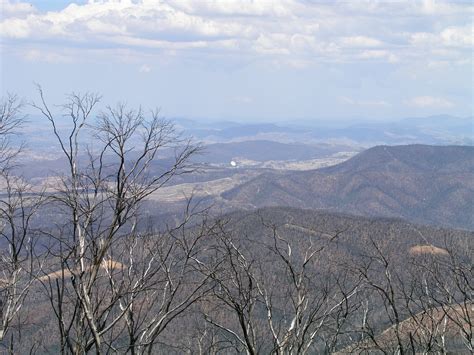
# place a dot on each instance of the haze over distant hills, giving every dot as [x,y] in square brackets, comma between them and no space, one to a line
[264,150]
[427,184]
[290,193]
[441,129]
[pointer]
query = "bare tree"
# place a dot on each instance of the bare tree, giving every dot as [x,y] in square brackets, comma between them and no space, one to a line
[18,206]
[280,288]
[100,201]
[112,285]
[11,119]
[161,279]
[449,290]
[422,304]
[237,293]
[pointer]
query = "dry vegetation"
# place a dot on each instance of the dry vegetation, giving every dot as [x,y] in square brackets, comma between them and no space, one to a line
[82,271]
[447,322]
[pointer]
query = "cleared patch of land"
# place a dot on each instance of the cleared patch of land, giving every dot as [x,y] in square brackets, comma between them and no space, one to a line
[105,265]
[199,189]
[427,249]
[301,165]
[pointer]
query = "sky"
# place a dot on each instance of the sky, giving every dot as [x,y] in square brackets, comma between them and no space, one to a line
[257,60]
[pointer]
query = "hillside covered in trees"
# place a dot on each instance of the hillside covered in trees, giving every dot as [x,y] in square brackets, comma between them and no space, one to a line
[426,184]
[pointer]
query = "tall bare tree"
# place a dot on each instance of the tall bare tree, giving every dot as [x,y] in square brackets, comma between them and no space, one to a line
[11,119]
[277,293]
[110,173]
[422,304]
[18,207]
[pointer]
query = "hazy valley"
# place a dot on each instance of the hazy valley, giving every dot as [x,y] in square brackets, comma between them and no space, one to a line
[422,183]
[129,229]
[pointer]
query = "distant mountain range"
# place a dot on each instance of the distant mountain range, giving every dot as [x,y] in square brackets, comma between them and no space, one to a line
[441,129]
[357,133]
[265,150]
[426,184]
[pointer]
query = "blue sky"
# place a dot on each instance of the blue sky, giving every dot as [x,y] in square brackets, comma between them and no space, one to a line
[246,60]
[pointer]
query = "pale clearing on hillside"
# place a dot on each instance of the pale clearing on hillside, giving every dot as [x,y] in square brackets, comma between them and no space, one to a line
[106,265]
[427,249]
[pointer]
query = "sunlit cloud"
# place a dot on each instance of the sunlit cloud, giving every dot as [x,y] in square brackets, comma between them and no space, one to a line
[429,102]
[303,29]
[258,58]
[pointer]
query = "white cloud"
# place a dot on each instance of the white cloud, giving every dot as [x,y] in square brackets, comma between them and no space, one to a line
[144,69]
[238,7]
[379,54]
[35,55]
[436,7]
[458,36]
[15,28]
[453,36]
[429,102]
[15,9]
[360,41]
[363,103]
[287,31]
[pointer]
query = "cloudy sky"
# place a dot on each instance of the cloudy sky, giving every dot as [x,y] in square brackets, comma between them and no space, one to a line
[246,60]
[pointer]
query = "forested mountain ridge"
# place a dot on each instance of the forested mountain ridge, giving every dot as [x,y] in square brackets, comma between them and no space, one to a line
[415,158]
[426,184]
[397,263]
[256,264]
[351,233]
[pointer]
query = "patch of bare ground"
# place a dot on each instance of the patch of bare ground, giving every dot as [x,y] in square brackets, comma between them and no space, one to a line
[311,164]
[105,265]
[427,249]
[201,189]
